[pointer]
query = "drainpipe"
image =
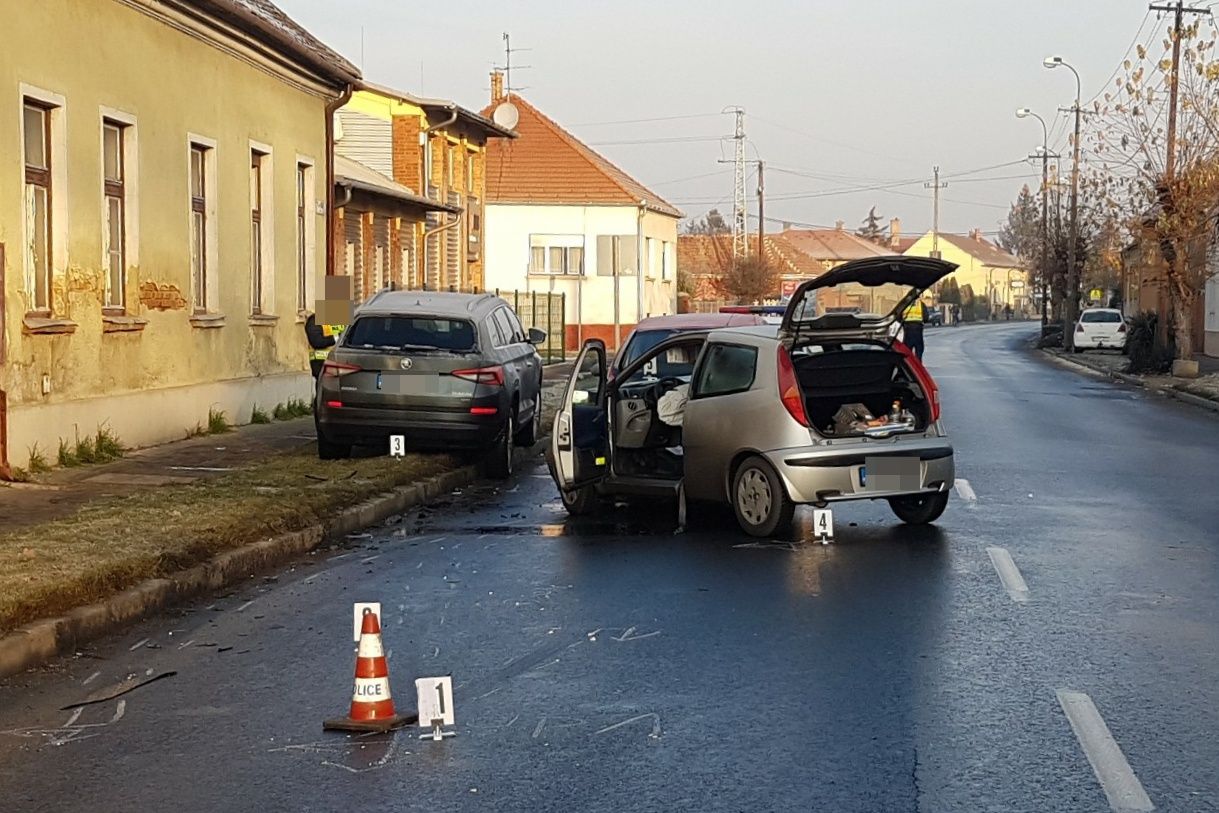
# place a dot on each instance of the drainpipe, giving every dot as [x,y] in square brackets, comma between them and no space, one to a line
[331,109]
[641,262]
[423,137]
[428,233]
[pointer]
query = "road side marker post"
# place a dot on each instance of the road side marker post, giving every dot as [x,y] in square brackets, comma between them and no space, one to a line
[397,445]
[823,525]
[372,705]
[435,704]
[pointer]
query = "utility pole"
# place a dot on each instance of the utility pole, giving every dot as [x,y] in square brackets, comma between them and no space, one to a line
[1178,10]
[935,186]
[740,240]
[761,210]
[1070,310]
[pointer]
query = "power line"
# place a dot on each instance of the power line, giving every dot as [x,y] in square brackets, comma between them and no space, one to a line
[690,178]
[842,144]
[673,140]
[647,121]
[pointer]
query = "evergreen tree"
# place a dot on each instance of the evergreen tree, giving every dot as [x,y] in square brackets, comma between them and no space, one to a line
[871,229]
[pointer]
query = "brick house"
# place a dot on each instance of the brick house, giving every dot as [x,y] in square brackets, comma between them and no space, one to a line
[436,149]
[706,257]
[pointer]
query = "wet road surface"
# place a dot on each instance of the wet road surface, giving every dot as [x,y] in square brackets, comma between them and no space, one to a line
[612,664]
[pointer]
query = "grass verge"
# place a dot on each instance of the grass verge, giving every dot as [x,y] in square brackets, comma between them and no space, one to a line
[116,542]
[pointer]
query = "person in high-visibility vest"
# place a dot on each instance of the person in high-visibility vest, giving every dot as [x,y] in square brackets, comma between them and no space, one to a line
[321,339]
[912,326]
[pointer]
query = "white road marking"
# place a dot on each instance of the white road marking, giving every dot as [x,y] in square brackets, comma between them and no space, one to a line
[185,645]
[537,732]
[90,679]
[137,645]
[370,559]
[74,717]
[1009,574]
[243,606]
[965,491]
[1122,788]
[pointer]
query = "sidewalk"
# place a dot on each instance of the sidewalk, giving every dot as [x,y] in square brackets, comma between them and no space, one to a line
[214,508]
[1201,391]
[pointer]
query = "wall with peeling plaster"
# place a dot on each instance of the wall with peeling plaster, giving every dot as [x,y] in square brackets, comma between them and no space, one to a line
[150,385]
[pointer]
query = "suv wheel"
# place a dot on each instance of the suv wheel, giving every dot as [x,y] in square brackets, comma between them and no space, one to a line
[329,450]
[499,463]
[919,509]
[581,502]
[759,499]
[529,435]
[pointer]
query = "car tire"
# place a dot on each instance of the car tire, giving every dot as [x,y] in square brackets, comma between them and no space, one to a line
[580,502]
[529,435]
[329,450]
[499,461]
[919,509]
[759,499]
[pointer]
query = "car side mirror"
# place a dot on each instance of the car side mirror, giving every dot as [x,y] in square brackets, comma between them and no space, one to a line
[536,336]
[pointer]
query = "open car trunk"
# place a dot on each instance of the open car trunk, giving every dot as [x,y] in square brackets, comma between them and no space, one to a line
[850,391]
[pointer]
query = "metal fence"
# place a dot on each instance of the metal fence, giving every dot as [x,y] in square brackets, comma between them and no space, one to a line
[543,310]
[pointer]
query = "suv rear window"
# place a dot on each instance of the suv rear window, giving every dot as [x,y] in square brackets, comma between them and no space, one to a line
[412,333]
[1100,316]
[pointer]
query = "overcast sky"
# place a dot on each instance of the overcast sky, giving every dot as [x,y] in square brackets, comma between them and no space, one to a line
[846,94]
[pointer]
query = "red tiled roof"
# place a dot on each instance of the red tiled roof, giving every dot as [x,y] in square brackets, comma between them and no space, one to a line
[833,245]
[547,164]
[903,244]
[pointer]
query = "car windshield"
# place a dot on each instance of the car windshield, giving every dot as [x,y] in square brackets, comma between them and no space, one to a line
[1101,316]
[413,333]
[641,342]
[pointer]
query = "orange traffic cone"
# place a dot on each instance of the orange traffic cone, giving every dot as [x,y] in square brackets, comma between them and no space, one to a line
[372,707]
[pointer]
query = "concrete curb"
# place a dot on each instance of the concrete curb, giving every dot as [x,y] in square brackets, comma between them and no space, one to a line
[1134,381]
[41,640]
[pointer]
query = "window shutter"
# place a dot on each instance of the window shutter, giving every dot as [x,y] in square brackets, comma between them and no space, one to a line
[628,255]
[605,255]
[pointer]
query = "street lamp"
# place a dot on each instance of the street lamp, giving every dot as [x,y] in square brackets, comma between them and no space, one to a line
[1072,303]
[1022,113]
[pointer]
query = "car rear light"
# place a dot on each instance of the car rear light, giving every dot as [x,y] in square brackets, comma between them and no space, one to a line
[484,410]
[1079,328]
[925,381]
[335,369]
[789,388]
[1121,328]
[491,376]
[334,404]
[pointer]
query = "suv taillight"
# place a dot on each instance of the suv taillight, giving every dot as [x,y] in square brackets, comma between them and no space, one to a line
[1079,327]
[335,369]
[925,381]
[1121,328]
[789,388]
[491,376]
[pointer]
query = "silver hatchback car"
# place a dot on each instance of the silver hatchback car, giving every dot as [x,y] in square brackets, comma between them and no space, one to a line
[819,409]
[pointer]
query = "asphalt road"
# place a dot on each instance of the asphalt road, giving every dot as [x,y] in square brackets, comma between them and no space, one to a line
[614,665]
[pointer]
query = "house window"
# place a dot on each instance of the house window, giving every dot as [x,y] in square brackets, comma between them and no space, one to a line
[256,230]
[617,254]
[200,169]
[37,121]
[666,267]
[470,173]
[302,224]
[556,254]
[450,156]
[114,189]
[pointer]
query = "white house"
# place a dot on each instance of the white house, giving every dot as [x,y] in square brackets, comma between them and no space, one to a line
[562,219]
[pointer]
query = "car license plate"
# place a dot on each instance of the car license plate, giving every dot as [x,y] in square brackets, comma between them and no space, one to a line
[891,474]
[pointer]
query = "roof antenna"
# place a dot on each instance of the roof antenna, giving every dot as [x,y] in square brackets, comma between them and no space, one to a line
[507,66]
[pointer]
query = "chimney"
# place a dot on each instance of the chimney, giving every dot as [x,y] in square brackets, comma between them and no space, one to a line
[497,86]
[976,235]
[786,226]
[838,224]
[895,231]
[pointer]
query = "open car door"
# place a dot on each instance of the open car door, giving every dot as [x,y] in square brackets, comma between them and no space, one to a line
[905,277]
[578,443]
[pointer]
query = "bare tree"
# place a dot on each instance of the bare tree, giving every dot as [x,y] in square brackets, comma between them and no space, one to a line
[1165,192]
[751,281]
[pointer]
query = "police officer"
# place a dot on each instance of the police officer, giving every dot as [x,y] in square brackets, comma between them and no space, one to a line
[321,339]
[912,326]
